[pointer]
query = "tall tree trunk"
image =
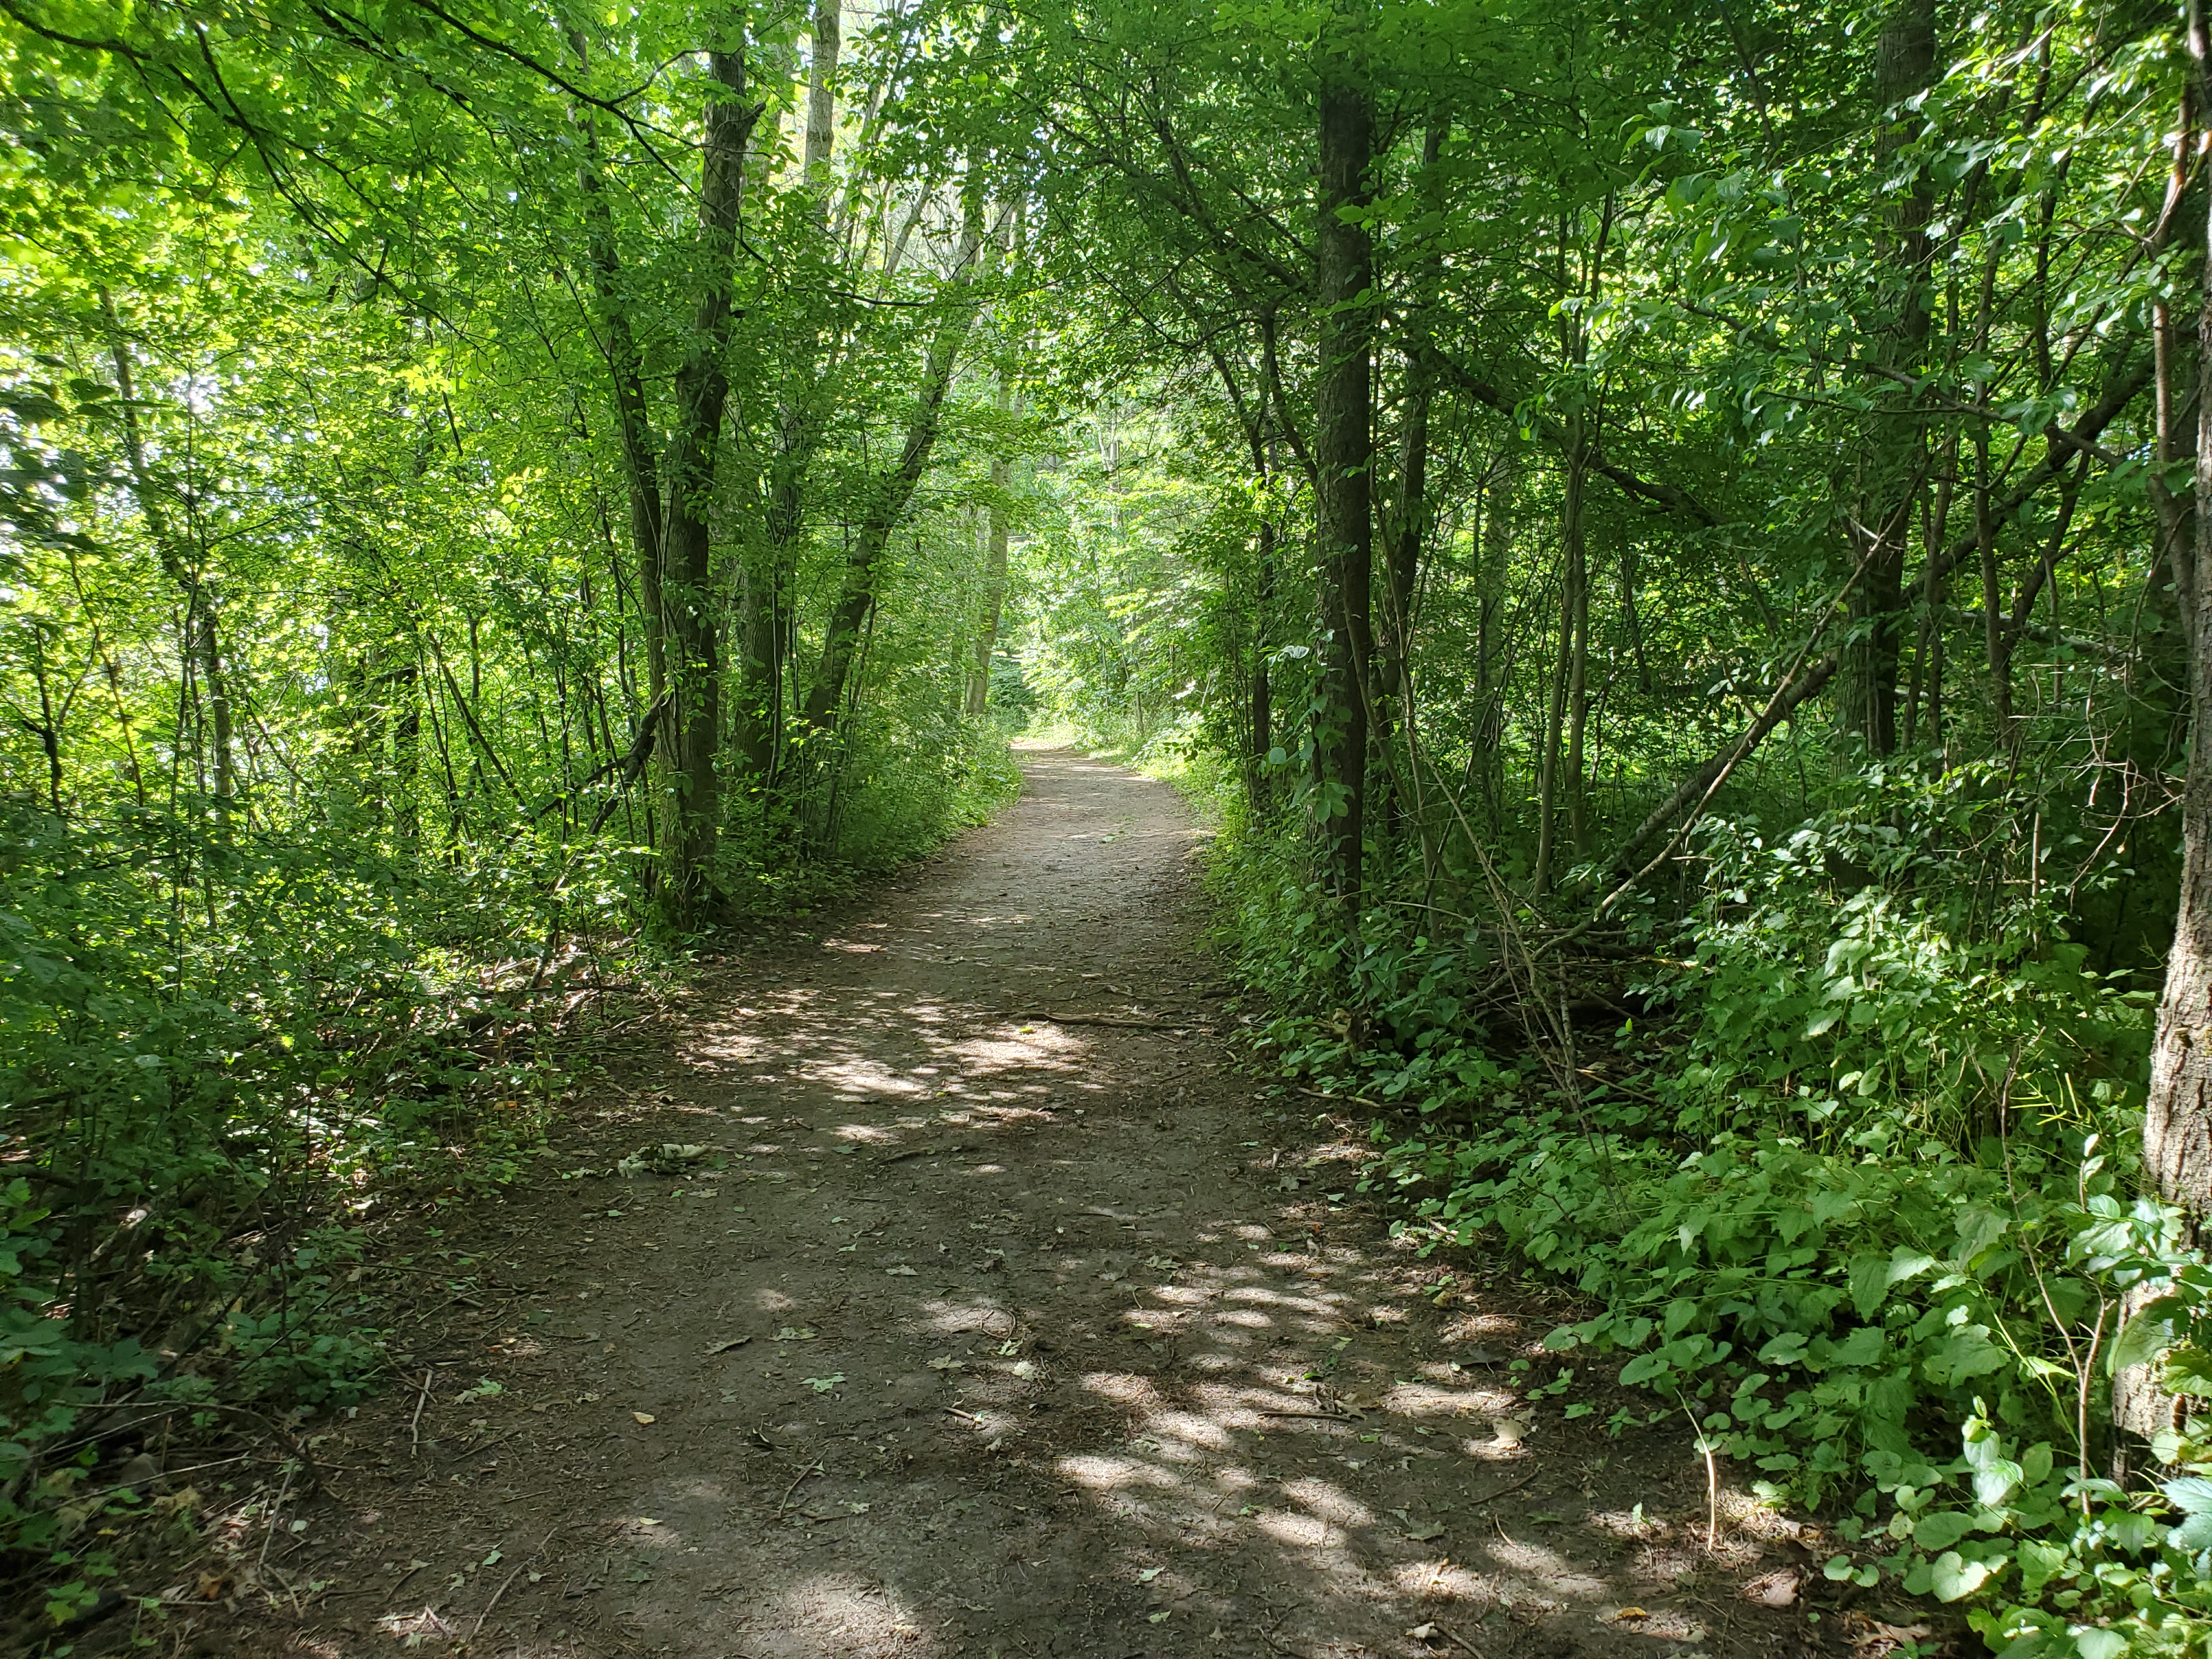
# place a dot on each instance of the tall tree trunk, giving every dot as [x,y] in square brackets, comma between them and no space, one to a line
[626,376]
[1577,608]
[994,576]
[203,641]
[890,495]
[1408,518]
[1571,579]
[768,577]
[702,389]
[1343,422]
[1904,63]
[1485,753]
[1259,789]
[2178,1119]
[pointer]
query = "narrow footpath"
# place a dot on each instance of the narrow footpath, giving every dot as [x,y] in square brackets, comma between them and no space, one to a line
[996,1313]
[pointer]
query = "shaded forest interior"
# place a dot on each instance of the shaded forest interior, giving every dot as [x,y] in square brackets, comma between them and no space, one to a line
[1674,541]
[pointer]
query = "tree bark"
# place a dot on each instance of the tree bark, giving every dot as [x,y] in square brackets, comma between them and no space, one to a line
[891,494]
[626,376]
[202,642]
[994,576]
[1905,63]
[2177,1118]
[769,576]
[702,389]
[1343,423]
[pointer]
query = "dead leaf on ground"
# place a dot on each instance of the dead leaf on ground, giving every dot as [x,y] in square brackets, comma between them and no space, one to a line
[643,1417]
[727,1344]
[1424,1532]
[1627,1613]
[1775,1589]
[1870,1639]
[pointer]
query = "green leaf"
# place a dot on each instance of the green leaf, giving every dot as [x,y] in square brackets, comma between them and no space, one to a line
[2100,1644]
[2191,1494]
[2145,1337]
[1941,1529]
[1954,1577]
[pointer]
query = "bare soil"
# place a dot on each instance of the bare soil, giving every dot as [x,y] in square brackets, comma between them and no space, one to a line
[1000,1315]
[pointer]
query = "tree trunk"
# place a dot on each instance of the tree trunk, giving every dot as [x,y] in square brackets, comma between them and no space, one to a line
[768,577]
[995,578]
[203,643]
[702,389]
[889,499]
[1905,63]
[1259,790]
[1486,752]
[2177,1118]
[1578,659]
[626,377]
[1343,421]
[1408,522]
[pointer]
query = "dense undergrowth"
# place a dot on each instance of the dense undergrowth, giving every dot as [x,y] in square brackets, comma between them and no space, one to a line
[1842,1156]
[235,1057]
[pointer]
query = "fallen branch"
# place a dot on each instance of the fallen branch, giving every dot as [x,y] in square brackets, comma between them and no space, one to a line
[1114,1019]
[477,1627]
[919,1151]
[1362,1100]
[415,1423]
[1507,1491]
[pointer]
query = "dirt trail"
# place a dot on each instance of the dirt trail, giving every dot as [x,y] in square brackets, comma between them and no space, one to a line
[994,1334]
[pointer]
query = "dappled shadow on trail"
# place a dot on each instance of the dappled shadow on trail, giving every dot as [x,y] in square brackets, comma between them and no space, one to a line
[999,1317]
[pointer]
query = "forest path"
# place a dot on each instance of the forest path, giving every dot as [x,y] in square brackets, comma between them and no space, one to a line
[993,1335]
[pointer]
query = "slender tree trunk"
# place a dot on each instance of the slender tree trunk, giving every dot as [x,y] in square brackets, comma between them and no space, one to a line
[1555,717]
[1343,422]
[1488,750]
[1997,649]
[768,578]
[1904,63]
[890,495]
[626,376]
[1258,788]
[1577,687]
[687,592]
[202,640]
[994,577]
[1408,519]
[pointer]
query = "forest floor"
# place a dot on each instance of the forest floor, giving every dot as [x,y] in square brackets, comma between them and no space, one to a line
[1001,1315]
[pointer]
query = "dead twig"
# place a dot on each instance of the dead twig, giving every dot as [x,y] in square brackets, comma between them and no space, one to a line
[1507,1491]
[415,1423]
[269,1532]
[920,1152]
[811,1469]
[1117,1020]
[494,1602]
[1356,1100]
